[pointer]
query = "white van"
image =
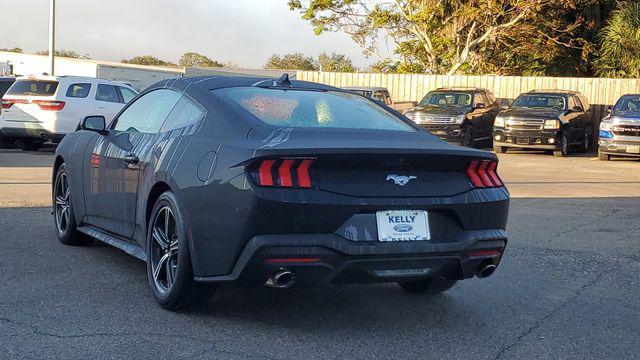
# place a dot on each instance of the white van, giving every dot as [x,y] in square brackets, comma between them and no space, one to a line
[37,109]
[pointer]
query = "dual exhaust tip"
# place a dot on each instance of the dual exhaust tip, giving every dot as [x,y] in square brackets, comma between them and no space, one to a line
[281,279]
[284,279]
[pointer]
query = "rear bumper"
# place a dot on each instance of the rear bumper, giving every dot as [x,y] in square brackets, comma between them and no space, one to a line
[30,133]
[329,258]
[546,139]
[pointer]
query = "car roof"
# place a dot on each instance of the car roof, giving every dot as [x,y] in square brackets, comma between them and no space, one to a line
[366,88]
[69,78]
[461,88]
[219,82]
[554,91]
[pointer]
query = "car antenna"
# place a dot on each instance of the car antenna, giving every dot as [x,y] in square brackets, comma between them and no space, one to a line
[284,80]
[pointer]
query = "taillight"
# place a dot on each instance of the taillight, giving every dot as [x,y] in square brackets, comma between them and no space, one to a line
[7,103]
[50,105]
[292,173]
[483,174]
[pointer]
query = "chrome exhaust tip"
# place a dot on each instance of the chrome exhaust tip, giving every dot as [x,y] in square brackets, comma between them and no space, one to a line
[281,279]
[485,271]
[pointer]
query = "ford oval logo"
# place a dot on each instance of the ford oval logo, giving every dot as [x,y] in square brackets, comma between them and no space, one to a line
[403,228]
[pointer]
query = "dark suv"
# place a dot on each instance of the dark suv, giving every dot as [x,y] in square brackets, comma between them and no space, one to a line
[462,115]
[553,120]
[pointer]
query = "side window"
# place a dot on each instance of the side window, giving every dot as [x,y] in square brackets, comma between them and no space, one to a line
[148,112]
[479,99]
[78,90]
[578,102]
[491,97]
[126,94]
[185,113]
[107,93]
[585,102]
[387,98]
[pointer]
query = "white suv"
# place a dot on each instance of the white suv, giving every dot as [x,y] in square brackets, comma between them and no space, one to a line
[37,109]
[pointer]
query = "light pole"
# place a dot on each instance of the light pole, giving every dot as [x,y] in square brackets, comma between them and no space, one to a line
[52,36]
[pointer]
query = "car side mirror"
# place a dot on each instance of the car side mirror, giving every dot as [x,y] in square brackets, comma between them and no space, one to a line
[576,109]
[94,123]
[609,109]
[480,106]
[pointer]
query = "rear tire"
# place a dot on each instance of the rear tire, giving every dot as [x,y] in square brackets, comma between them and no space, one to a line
[499,149]
[564,147]
[602,156]
[429,286]
[29,144]
[169,269]
[584,146]
[63,216]
[6,143]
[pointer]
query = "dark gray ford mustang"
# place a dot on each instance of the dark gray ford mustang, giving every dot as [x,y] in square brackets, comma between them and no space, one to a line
[277,182]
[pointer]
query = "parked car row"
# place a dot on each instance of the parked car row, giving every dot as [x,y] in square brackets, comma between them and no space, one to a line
[46,108]
[559,121]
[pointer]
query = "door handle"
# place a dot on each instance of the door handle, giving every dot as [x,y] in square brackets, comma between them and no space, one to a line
[131,159]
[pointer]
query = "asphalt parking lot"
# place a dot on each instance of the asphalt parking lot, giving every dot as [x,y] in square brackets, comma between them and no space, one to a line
[568,286]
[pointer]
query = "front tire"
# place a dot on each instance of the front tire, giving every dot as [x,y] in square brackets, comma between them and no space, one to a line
[169,269]
[429,286]
[499,149]
[564,147]
[467,137]
[63,216]
[602,156]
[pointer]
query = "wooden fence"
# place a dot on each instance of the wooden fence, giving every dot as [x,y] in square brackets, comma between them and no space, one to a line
[412,87]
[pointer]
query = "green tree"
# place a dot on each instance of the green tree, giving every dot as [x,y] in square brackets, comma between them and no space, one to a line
[147,60]
[192,59]
[335,62]
[620,43]
[461,36]
[65,53]
[293,61]
[14,50]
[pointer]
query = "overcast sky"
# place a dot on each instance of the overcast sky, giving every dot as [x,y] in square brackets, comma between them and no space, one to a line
[245,32]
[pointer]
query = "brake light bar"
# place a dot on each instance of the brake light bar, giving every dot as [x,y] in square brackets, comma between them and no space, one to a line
[47,105]
[483,174]
[291,173]
[50,105]
[7,103]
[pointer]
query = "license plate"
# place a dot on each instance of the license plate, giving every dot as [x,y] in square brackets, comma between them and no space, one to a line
[633,149]
[403,225]
[523,141]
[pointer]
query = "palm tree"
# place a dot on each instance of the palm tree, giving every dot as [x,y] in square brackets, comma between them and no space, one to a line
[620,43]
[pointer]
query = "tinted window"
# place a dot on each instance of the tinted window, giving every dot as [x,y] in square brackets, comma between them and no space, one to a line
[556,102]
[107,93]
[147,113]
[127,94]
[186,112]
[33,87]
[490,96]
[313,109]
[4,86]
[629,103]
[448,98]
[78,90]
[479,99]
[577,102]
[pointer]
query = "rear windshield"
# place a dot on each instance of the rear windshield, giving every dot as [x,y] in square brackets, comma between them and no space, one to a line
[444,99]
[556,102]
[314,109]
[33,87]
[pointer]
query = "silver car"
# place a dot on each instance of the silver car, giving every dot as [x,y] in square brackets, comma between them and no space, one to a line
[619,133]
